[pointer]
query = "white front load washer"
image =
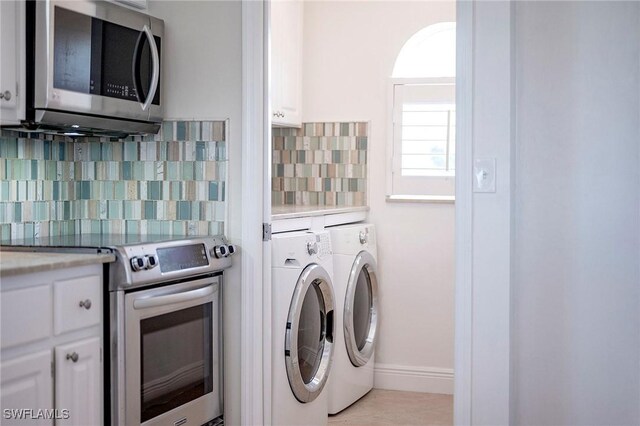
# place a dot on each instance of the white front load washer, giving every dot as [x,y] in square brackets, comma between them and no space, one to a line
[355,284]
[303,327]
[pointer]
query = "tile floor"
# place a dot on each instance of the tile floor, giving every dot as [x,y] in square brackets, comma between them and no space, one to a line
[384,407]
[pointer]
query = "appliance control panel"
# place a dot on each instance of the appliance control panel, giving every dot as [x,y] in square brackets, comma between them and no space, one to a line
[320,246]
[144,264]
[324,243]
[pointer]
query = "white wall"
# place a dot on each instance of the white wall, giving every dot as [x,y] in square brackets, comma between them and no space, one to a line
[349,52]
[576,287]
[203,81]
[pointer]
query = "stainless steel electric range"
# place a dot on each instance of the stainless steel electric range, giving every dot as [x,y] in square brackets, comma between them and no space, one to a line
[162,298]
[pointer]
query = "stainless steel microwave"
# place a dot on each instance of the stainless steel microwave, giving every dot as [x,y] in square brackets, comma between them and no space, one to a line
[93,67]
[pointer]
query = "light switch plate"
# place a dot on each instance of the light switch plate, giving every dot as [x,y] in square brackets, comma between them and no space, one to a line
[484,175]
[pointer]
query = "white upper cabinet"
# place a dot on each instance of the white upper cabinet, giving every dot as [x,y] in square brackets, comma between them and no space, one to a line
[134,4]
[12,68]
[286,63]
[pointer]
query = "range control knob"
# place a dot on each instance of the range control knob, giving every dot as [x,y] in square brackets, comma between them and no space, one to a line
[152,261]
[312,248]
[363,237]
[220,251]
[232,249]
[138,263]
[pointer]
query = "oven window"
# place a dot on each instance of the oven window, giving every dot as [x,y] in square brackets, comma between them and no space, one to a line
[176,359]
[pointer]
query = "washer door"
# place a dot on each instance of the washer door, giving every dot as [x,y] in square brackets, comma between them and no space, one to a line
[361,309]
[309,334]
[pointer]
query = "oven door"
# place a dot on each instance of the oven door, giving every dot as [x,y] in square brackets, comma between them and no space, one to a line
[172,354]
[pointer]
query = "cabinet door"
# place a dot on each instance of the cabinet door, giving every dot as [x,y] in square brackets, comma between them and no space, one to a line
[286,62]
[79,382]
[26,387]
[12,34]
[137,4]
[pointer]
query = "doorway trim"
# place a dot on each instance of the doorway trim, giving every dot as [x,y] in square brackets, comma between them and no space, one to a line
[463,297]
[255,254]
[256,315]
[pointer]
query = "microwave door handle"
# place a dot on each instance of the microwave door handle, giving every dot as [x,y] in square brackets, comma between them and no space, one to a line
[154,301]
[136,68]
[155,77]
[145,101]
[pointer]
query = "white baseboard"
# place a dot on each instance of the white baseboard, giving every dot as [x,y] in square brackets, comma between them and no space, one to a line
[413,379]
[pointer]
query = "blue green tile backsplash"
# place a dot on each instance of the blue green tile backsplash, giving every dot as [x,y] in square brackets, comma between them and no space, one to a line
[171,183]
[320,164]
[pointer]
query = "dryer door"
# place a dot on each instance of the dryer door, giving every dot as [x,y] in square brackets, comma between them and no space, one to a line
[361,309]
[309,334]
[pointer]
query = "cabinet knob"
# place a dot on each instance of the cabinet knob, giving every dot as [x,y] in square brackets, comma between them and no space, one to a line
[85,304]
[6,95]
[73,357]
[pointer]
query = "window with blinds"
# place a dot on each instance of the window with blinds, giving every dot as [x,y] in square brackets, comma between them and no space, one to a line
[428,140]
[424,149]
[423,113]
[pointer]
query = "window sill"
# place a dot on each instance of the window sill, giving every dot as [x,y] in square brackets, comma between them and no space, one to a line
[446,199]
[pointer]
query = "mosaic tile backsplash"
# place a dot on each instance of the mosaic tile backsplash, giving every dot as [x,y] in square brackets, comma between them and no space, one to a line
[171,183]
[323,164]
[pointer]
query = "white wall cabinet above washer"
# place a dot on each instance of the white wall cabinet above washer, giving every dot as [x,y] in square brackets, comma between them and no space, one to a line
[134,4]
[286,63]
[12,61]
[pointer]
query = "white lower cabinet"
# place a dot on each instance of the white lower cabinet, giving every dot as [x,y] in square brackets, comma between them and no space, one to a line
[51,348]
[78,384]
[26,384]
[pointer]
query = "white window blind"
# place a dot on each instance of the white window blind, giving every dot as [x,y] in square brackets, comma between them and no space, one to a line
[423,136]
[428,139]
[423,114]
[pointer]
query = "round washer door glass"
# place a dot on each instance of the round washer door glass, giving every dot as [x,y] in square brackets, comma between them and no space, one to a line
[311,330]
[309,334]
[361,309]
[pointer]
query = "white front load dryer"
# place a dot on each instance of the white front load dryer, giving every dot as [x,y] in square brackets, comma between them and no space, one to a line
[303,327]
[355,284]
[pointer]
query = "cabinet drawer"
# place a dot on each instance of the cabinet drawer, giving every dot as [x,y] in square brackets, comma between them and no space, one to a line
[77,303]
[26,315]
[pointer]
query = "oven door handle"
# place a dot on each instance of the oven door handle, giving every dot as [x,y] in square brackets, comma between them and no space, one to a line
[169,299]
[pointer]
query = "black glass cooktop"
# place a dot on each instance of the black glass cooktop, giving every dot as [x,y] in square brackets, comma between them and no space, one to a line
[90,241]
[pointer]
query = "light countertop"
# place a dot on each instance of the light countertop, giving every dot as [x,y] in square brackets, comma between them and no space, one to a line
[289,211]
[21,262]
